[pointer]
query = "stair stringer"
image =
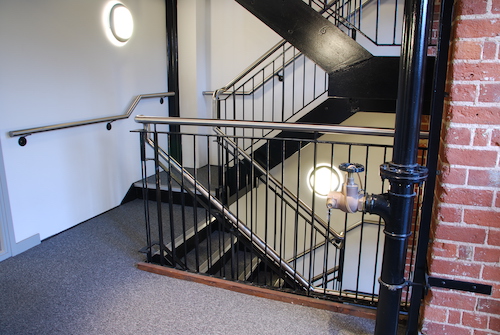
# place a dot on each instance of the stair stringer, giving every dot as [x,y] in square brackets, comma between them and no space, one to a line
[311,33]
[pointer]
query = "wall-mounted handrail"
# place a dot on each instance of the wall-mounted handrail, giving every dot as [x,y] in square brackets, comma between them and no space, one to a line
[249,69]
[302,127]
[224,90]
[130,109]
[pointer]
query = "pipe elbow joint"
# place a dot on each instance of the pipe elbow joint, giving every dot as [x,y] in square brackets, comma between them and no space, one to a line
[378,204]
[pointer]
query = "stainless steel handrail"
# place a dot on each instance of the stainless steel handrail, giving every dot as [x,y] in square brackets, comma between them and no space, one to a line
[249,69]
[260,84]
[130,109]
[301,127]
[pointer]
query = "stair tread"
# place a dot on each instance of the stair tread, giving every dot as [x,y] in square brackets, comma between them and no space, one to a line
[180,222]
[201,177]
[209,250]
[243,265]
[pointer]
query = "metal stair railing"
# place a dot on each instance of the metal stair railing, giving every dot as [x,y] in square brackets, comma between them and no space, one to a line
[305,261]
[272,88]
[283,84]
[256,241]
[337,237]
[336,268]
[364,17]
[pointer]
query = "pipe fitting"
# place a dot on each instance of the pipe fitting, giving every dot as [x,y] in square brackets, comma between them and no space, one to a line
[378,204]
[350,200]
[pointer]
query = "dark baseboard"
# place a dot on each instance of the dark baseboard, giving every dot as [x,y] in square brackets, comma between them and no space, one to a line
[260,292]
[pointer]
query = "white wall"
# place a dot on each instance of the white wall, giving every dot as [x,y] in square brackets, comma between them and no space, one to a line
[237,39]
[58,66]
[218,39]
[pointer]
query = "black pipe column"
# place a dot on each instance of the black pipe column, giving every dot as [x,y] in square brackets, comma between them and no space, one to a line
[175,144]
[403,173]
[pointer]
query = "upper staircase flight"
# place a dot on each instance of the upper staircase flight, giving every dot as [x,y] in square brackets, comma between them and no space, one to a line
[311,33]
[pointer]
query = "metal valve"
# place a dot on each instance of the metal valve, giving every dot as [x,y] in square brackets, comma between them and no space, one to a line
[351,199]
[351,167]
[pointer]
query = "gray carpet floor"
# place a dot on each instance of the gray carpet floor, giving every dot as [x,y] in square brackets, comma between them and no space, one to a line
[84,281]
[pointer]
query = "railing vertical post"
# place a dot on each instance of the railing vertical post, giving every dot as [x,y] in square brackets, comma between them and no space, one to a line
[170,204]
[216,106]
[158,196]
[143,136]
[403,173]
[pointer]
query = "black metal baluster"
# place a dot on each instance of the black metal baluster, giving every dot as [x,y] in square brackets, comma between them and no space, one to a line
[158,196]
[296,226]
[266,237]
[171,204]
[183,213]
[195,215]
[143,138]
[313,201]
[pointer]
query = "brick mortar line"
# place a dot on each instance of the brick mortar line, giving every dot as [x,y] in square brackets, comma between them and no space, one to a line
[461,223]
[473,147]
[462,326]
[464,310]
[473,61]
[471,125]
[473,82]
[471,187]
[471,261]
[475,39]
[465,167]
[473,207]
[447,125]
[468,244]
[469,17]
[476,103]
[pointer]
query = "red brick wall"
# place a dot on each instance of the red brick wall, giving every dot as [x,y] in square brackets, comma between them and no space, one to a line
[465,239]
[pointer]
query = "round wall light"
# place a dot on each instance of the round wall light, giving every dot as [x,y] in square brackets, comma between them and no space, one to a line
[118,22]
[324,178]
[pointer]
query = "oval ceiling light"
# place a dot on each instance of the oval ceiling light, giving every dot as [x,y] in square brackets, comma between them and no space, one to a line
[324,178]
[118,23]
[121,22]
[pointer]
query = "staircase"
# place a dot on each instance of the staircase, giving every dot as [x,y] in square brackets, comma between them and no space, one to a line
[247,224]
[318,32]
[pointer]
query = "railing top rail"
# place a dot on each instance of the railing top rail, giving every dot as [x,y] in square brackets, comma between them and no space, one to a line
[215,94]
[301,127]
[130,109]
[249,69]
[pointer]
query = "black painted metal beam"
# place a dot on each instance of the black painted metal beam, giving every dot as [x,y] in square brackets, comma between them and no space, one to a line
[306,29]
[175,146]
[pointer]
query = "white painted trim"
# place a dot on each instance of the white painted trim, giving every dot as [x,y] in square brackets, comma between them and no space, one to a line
[5,222]
[8,245]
